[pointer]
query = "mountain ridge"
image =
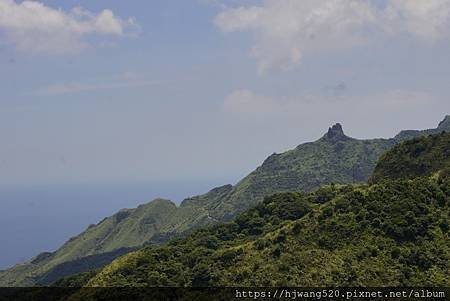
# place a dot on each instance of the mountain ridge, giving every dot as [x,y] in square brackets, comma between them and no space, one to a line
[444,125]
[334,158]
[390,233]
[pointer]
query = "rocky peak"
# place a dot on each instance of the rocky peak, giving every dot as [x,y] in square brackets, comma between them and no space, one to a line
[335,133]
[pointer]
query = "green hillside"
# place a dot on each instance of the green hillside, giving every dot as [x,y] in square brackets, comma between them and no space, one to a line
[393,233]
[334,158]
[418,157]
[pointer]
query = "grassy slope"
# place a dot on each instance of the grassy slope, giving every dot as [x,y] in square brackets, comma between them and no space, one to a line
[127,228]
[334,158]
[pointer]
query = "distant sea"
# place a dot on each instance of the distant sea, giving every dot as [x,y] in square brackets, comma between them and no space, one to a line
[42,218]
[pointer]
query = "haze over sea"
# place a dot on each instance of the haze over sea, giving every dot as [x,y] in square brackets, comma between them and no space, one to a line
[42,218]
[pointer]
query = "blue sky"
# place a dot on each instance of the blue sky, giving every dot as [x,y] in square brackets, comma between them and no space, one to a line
[124,91]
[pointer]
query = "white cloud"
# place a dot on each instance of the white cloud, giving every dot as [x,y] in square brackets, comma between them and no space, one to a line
[285,30]
[125,80]
[33,27]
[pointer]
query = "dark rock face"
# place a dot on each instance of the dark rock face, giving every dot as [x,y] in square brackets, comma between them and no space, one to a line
[336,133]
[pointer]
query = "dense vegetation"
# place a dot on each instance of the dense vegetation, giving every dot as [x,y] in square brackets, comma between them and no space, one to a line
[421,156]
[335,158]
[390,234]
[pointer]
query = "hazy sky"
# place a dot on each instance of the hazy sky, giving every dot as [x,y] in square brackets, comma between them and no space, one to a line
[107,91]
